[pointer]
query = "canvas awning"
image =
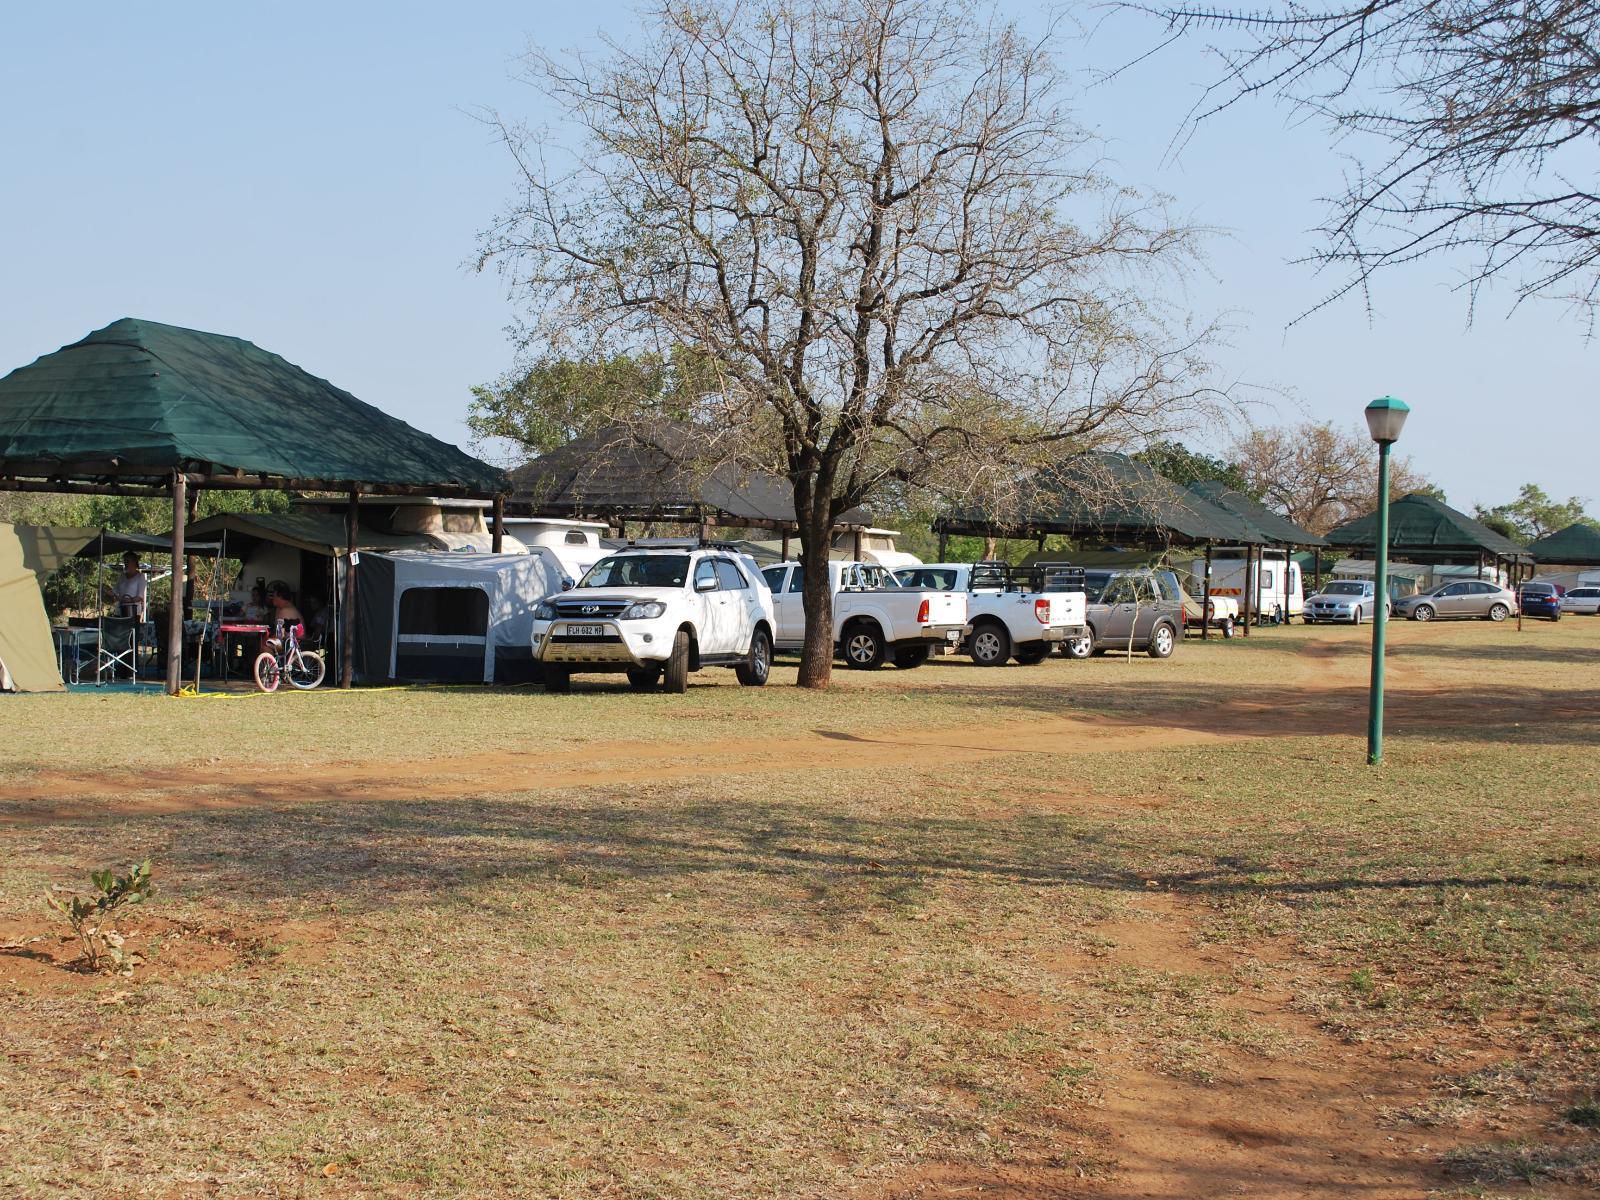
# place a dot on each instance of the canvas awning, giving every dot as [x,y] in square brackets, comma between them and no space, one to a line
[1425,529]
[133,402]
[1577,545]
[1109,497]
[318,533]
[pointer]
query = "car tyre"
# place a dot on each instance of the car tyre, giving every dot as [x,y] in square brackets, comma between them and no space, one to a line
[757,665]
[675,679]
[557,680]
[990,645]
[1498,612]
[912,657]
[1080,648]
[1162,639]
[1422,612]
[1228,629]
[863,646]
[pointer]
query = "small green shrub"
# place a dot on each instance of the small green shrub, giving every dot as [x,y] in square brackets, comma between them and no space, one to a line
[91,916]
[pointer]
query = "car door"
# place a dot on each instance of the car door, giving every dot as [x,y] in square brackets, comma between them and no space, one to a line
[1451,602]
[738,613]
[782,599]
[711,619]
[1117,607]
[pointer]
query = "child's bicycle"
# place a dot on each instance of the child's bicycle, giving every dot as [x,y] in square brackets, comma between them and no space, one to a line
[284,659]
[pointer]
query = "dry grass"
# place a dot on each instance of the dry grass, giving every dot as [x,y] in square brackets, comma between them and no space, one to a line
[782,981]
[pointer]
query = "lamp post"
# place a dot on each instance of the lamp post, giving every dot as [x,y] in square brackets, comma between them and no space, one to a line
[1386,416]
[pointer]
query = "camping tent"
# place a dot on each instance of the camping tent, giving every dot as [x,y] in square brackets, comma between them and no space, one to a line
[27,653]
[465,618]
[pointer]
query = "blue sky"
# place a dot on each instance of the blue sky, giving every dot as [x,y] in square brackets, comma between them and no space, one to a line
[310,177]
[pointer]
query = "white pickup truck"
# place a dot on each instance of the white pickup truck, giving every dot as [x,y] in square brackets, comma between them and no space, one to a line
[1008,612]
[658,614]
[874,619]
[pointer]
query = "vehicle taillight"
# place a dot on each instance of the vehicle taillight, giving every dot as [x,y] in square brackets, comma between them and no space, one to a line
[1041,611]
[922,613]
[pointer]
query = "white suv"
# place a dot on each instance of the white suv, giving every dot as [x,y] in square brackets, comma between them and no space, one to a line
[658,614]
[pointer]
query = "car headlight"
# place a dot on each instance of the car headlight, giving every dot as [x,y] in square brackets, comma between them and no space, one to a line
[544,611]
[644,610]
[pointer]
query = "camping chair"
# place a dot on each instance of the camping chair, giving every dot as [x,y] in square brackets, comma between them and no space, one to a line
[119,647]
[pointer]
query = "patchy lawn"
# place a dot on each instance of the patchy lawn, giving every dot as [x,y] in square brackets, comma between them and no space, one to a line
[1087,929]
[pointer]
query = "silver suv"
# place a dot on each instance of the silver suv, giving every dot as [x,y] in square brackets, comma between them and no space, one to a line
[1129,610]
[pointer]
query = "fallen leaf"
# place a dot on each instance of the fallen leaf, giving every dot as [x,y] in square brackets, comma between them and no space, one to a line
[134,1073]
[330,1170]
[114,998]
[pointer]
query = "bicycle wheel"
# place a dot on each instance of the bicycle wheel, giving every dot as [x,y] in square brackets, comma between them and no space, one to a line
[305,670]
[267,672]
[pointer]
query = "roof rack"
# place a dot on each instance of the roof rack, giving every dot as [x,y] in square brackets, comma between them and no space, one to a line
[683,543]
[1052,577]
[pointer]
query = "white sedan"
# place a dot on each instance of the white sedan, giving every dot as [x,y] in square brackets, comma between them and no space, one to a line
[1584,600]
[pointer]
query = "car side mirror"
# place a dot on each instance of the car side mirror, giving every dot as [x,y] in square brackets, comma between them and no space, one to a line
[705,585]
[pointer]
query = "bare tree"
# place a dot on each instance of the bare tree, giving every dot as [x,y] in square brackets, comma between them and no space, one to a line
[1476,124]
[876,220]
[1319,476]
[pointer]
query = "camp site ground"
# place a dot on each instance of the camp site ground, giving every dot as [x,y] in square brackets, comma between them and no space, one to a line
[1110,928]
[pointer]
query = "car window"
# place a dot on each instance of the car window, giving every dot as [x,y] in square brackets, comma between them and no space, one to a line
[797,580]
[1266,579]
[1118,591]
[731,578]
[926,578]
[774,577]
[1345,589]
[575,537]
[704,573]
[638,570]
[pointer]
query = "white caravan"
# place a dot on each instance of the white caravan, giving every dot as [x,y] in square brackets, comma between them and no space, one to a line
[1278,588]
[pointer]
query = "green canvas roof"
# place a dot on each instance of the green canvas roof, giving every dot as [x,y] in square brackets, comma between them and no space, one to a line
[1110,497]
[1425,528]
[1277,528]
[137,399]
[1577,545]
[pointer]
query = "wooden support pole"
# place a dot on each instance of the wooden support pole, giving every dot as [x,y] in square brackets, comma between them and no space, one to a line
[1247,591]
[498,534]
[857,554]
[944,546]
[1205,600]
[180,516]
[347,642]
[191,572]
[1316,568]
[785,557]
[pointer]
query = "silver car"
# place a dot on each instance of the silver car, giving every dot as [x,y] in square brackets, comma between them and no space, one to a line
[1346,601]
[1463,598]
[1584,600]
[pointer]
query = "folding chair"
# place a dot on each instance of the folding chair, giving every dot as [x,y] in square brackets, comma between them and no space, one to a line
[119,647]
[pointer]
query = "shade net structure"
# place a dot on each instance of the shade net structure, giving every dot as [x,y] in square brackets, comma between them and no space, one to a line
[138,399]
[143,408]
[1108,497]
[1425,529]
[1275,526]
[619,474]
[1578,545]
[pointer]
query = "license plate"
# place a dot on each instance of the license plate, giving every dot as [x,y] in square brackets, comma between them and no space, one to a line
[586,631]
[953,635]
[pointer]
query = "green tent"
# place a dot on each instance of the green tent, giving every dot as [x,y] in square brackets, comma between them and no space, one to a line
[1577,545]
[134,401]
[1277,528]
[1104,496]
[1426,529]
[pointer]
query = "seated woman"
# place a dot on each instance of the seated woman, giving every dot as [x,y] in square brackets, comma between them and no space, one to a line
[280,601]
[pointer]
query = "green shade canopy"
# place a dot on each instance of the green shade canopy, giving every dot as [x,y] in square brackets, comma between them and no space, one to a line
[1277,528]
[1111,497]
[313,532]
[1427,529]
[137,400]
[1577,545]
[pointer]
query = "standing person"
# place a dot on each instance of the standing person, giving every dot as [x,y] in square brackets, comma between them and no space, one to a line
[130,589]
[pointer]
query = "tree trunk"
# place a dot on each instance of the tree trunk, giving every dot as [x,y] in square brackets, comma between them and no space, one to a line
[816,654]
